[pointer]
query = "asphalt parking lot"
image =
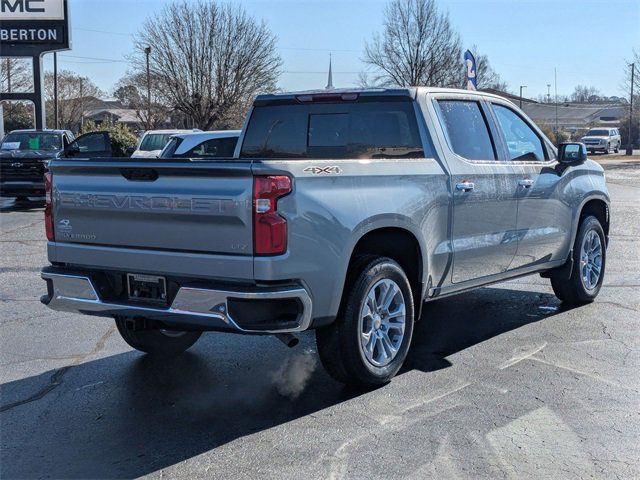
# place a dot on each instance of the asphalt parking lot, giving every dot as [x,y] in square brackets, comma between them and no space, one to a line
[502,382]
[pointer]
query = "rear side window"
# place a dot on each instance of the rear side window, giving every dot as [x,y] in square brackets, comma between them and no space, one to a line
[523,142]
[466,129]
[333,130]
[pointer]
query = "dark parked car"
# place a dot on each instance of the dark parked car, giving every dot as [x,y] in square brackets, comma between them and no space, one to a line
[23,158]
[24,155]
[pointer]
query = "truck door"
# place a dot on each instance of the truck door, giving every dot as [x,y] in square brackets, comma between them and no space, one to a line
[92,144]
[483,237]
[544,220]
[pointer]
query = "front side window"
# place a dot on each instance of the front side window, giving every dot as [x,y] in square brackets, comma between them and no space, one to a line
[361,130]
[523,142]
[466,129]
[94,142]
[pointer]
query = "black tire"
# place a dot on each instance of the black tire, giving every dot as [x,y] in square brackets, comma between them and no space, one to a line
[606,152]
[155,341]
[22,199]
[617,149]
[573,291]
[339,344]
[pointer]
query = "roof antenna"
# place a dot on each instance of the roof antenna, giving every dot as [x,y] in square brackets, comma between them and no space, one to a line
[330,78]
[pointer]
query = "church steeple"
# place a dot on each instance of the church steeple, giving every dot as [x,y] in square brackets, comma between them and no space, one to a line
[330,78]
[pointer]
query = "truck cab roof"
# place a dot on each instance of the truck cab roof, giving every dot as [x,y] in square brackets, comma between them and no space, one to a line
[350,94]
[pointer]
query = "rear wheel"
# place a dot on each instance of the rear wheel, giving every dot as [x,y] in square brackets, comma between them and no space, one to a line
[155,341]
[368,343]
[589,260]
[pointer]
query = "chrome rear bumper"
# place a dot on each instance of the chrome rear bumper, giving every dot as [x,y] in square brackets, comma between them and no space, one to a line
[192,307]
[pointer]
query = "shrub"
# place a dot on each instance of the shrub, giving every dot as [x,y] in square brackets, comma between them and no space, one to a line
[556,137]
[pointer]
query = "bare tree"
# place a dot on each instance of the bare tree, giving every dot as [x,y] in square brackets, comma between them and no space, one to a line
[74,93]
[131,90]
[17,71]
[417,47]
[584,94]
[208,59]
[486,76]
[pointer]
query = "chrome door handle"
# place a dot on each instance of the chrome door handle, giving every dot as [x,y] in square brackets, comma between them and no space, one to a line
[525,182]
[465,186]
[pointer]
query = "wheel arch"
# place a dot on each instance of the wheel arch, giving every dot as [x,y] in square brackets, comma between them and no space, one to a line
[599,208]
[399,243]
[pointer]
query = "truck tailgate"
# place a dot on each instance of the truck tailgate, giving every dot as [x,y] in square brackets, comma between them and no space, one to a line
[202,207]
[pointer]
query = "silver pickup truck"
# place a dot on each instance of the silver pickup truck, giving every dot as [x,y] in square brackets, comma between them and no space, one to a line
[341,211]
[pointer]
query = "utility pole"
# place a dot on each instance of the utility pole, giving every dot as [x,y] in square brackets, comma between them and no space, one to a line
[147,52]
[9,87]
[555,81]
[630,142]
[8,75]
[81,105]
[55,90]
[521,87]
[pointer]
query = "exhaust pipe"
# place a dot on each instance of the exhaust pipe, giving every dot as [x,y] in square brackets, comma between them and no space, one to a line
[288,339]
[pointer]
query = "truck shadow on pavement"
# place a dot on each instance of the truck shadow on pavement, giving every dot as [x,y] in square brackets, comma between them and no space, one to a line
[127,415]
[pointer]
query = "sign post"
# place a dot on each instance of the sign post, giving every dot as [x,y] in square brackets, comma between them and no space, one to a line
[31,28]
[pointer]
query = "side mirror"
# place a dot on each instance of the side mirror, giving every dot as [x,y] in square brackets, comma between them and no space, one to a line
[573,153]
[130,150]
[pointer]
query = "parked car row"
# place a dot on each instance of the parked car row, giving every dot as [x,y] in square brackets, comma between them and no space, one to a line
[24,154]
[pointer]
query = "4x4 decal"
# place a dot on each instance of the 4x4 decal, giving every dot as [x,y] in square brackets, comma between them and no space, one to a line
[324,170]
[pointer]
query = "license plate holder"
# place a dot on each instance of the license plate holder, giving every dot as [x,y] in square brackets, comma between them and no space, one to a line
[147,288]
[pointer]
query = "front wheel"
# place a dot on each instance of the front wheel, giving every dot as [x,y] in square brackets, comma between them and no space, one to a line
[155,341]
[589,260]
[368,343]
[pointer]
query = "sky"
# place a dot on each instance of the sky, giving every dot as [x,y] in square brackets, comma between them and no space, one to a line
[588,42]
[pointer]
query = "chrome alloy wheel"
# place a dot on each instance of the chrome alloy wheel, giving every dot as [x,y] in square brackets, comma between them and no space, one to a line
[591,260]
[382,323]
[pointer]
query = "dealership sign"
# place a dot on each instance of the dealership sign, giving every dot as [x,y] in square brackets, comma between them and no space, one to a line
[33,27]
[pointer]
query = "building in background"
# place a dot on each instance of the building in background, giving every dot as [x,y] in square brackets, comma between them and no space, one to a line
[572,118]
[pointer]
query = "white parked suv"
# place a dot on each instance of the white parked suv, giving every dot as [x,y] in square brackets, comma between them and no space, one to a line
[153,141]
[602,140]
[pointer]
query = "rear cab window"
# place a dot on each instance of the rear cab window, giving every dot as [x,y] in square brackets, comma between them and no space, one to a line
[364,129]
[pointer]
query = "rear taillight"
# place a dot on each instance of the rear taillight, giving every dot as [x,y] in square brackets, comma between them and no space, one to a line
[269,228]
[48,213]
